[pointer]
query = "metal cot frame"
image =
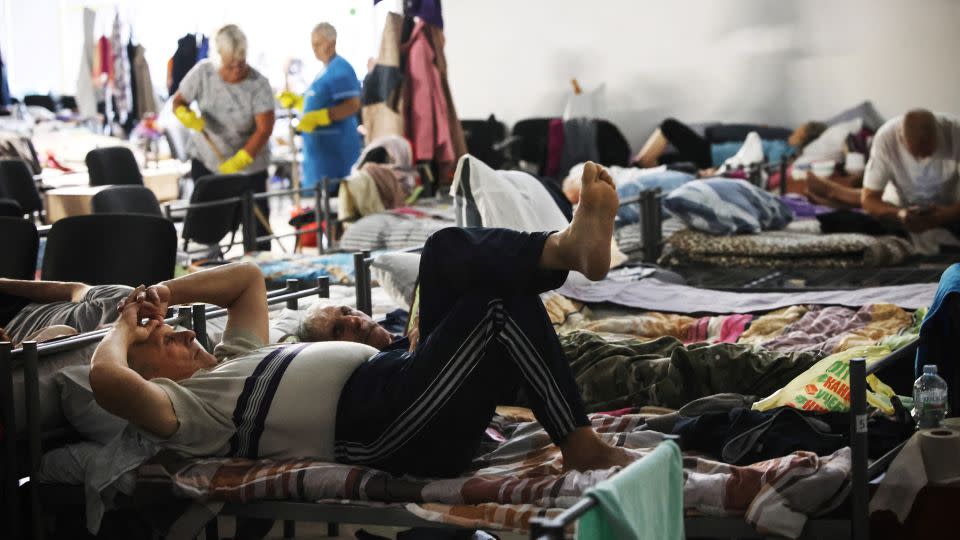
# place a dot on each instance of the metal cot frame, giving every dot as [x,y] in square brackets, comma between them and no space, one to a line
[856,526]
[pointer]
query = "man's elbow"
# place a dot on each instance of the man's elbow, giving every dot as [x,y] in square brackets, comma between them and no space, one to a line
[104,382]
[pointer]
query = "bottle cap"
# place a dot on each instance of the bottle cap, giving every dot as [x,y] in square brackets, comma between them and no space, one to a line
[930,369]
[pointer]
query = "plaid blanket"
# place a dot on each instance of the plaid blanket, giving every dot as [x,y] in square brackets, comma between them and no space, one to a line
[519,475]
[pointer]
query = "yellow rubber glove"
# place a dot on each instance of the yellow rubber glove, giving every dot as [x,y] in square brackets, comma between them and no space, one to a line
[240,161]
[189,118]
[314,119]
[290,100]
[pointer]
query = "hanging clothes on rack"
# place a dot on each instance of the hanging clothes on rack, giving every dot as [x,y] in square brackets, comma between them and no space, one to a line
[427,123]
[4,87]
[121,80]
[428,10]
[146,98]
[103,62]
[438,41]
[86,90]
[183,60]
[203,50]
[382,94]
[132,79]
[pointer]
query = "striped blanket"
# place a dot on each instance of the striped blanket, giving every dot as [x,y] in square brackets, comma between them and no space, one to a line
[519,475]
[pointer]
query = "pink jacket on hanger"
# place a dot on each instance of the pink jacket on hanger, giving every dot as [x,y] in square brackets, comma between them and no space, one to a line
[427,124]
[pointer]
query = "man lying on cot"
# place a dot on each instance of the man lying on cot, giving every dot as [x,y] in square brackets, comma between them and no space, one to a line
[483,335]
[44,310]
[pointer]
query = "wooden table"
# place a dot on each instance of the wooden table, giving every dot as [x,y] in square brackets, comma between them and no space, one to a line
[72,192]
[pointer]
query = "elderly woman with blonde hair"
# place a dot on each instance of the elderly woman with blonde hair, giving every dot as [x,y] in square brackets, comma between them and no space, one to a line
[236,115]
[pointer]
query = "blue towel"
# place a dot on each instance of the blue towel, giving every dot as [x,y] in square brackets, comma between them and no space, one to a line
[939,333]
[643,501]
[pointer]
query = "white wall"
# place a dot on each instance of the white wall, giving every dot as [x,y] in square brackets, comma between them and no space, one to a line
[765,61]
[41,39]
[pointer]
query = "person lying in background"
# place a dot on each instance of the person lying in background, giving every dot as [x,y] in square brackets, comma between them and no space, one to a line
[694,148]
[417,408]
[45,310]
[912,177]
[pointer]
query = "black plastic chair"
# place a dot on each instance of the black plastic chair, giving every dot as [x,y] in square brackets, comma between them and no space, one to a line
[612,146]
[11,208]
[114,165]
[210,225]
[68,102]
[100,249]
[484,139]
[40,100]
[126,200]
[16,182]
[20,245]
[531,136]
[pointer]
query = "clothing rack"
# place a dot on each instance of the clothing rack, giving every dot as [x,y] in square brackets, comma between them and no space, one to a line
[28,448]
[856,527]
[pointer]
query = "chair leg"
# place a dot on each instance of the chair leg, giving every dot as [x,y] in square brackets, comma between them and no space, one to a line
[212,530]
[333,529]
[289,529]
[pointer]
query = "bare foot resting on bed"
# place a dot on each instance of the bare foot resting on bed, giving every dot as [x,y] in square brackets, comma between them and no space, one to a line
[585,244]
[584,450]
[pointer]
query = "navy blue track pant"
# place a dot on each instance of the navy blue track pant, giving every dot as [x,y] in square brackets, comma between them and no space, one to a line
[484,335]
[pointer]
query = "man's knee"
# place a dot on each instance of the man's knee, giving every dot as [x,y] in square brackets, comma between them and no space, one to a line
[444,240]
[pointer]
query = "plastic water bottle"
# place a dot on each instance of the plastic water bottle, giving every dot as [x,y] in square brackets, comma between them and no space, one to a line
[929,398]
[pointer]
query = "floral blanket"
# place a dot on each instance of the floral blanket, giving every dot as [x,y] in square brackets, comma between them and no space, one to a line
[519,475]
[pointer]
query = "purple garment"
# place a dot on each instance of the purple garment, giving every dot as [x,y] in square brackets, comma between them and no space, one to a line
[428,10]
[554,149]
[820,329]
[802,208]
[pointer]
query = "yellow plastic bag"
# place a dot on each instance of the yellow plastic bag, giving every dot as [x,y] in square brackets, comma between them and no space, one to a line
[826,385]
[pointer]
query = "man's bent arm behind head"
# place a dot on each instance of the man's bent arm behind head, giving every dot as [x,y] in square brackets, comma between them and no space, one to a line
[122,391]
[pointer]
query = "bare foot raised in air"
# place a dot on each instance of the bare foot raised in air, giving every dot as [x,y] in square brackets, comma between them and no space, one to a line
[585,244]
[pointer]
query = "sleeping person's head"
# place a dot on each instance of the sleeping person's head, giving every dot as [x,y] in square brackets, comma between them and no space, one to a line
[170,354]
[342,323]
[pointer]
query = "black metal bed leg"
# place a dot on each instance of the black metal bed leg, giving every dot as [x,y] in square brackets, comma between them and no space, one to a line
[212,530]
[859,516]
[10,473]
[333,529]
[289,529]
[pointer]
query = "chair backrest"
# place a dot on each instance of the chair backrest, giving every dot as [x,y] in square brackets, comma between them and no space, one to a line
[10,208]
[612,146]
[40,100]
[68,102]
[20,245]
[532,144]
[482,136]
[126,200]
[210,225]
[17,183]
[99,249]
[114,165]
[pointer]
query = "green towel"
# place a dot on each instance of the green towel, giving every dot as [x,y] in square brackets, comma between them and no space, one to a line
[644,500]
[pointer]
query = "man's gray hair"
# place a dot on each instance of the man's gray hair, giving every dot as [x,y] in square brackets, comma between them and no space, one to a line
[325,30]
[309,329]
[231,43]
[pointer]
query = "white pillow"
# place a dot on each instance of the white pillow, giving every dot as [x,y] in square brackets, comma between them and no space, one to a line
[81,409]
[508,199]
[829,145]
[397,274]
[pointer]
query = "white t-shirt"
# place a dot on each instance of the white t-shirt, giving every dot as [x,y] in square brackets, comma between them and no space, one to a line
[906,181]
[263,402]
